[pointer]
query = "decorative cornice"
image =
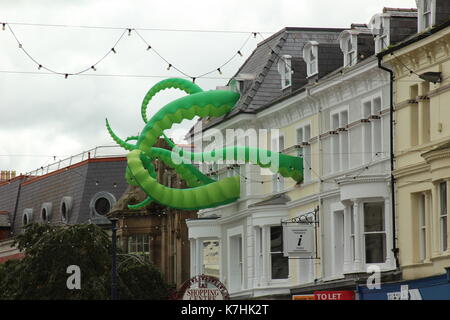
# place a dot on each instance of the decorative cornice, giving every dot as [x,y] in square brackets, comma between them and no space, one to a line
[344,181]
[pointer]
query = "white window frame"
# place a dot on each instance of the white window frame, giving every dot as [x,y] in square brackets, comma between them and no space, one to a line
[270,253]
[364,232]
[285,70]
[422,223]
[370,151]
[380,26]
[350,56]
[312,66]
[306,150]
[356,238]
[340,161]
[422,14]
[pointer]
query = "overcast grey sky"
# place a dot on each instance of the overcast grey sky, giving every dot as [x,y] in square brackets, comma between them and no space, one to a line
[46,115]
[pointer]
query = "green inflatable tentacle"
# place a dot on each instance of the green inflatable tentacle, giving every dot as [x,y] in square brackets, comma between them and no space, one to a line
[120,142]
[139,205]
[131,138]
[209,103]
[215,194]
[204,192]
[172,83]
[286,165]
[188,172]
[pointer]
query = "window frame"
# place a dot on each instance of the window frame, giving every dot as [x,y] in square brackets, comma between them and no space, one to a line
[307,165]
[312,47]
[271,253]
[443,217]
[364,233]
[350,56]
[285,70]
[139,241]
[339,158]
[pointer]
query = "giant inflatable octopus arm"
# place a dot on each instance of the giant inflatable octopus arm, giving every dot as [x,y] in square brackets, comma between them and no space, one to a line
[203,192]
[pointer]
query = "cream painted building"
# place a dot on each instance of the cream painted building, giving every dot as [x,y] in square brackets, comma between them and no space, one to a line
[421,67]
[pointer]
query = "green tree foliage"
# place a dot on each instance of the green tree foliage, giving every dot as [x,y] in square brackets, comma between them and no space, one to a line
[49,250]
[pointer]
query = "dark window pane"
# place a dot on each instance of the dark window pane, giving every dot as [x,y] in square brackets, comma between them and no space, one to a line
[102,206]
[443,197]
[373,217]
[375,248]
[275,239]
[280,266]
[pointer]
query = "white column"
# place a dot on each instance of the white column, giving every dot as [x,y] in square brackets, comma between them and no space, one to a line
[347,245]
[357,212]
[389,232]
[266,253]
[193,248]
[199,258]
[333,242]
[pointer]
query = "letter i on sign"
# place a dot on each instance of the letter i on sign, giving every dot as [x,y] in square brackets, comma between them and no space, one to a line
[300,240]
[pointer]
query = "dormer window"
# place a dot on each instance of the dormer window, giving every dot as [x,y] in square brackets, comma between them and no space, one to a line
[285,70]
[427,9]
[380,30]
[310,54]
[349,48]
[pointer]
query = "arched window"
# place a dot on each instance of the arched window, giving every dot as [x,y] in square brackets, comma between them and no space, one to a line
[349,47]
[65,208]
[27,216]
[46,212]
[310,54]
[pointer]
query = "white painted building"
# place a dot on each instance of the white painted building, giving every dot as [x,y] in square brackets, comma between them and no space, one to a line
[339,116]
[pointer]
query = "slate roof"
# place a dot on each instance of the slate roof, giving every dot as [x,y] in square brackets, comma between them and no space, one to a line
[262,63]
[80,181]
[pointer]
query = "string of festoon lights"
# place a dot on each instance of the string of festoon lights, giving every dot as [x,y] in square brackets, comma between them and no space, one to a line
[113,50]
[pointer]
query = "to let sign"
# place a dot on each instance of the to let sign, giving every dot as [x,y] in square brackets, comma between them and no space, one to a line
[334,295]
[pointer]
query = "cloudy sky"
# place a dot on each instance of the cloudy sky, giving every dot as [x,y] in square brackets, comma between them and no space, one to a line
[46,117]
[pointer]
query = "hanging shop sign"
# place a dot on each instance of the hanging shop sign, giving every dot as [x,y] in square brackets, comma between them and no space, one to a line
[298,239]
[334,295]
[203,287]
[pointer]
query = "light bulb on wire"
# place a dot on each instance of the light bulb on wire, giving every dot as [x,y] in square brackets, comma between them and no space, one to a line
[220,71]
[169,66]
[113,50]
[240,53]
[3,26]
[93,68]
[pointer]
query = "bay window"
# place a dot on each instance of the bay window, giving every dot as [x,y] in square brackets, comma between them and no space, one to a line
[374,232]
[279,263]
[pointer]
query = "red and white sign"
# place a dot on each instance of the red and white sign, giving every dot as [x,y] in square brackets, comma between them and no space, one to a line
[334,295]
